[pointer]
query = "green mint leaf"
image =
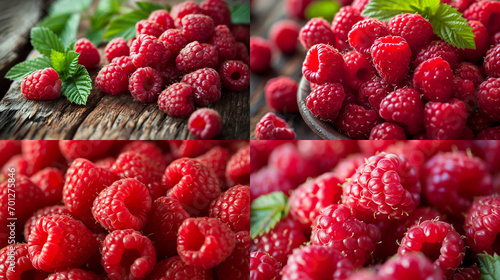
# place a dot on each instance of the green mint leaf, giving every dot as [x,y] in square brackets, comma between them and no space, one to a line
[148,7]
[77,88]
[44,41]
[240,14]
[72,63]
[325,9]
[66,64]
[55,23]
[68,34]
[489,267]
[266,211]
[59,62]
[449,24]
[69,6]
[23,69]
[124,25]
[95,35]
[386,9]
[71,47]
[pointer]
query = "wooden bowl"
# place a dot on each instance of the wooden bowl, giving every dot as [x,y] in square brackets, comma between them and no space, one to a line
[323,129]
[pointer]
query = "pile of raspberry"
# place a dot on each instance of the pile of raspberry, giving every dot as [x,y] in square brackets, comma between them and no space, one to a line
[376,210]
[397,80]
[90,210]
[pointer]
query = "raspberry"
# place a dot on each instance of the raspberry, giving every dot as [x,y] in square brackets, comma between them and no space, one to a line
[311,261]
[21,166]
[495,39]
[73,149]
[416,30]
[177,100]
[360,4]
[260,54]
[343,21]
[186,148]
[237,265]
[487,13]
[224,42]
[174,40]
[147,50]
[469,71]
[51,182]
[60,241]
[164,220]
[238,167]
[192,183]
[195,56]
[206,85]
[391,56]
[28,198]
[316,31]
[233,208]
[169,73]
[296,8]
[263,266]
[175,268]
[218,10]
[492,62]
[8,149]
[17,259]
[284,34]
[40,154]
[235,75]
[437,49]
[481,226]
[356,122]
[347,166]
[387,131]
[489,98]
[242,53]
[197,28]
[268,180]
[434,79]
[127,254]
[112,79]
[358,69]
[372,92]
[116,48]
[482,41]
[338,228]
[297,165]
[41,85]
[271,127]
[162,18]
[323,64]
[326,154]
[145,84]
[204,242]
[43,212]
[148,28]
[414,264]
[405,108]
[205,123]
[73,274]
[325,101]
[385,187]
[89,55]
[281,94]
[492,133]
[241,33]
[216,158]
[182,9]
[125,62]
[462,5]
[478,121]
[438,241]
[444,121]
[465,91]
[364,33]
[467,273]
[280,241]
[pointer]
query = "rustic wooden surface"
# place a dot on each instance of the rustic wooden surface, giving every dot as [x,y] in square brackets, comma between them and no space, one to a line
[264,14]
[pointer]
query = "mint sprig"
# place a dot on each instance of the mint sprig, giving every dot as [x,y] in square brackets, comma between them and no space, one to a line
[23,69]
[489,266]
[78,86]
[266,211]
[446,21]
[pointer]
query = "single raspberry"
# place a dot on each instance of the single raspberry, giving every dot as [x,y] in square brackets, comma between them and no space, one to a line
[234,75]
[323,64]
[127,254]
[51,182]
[42,84]
[148,28]
[237,265]
[284,34]
[40,153]
[492,133]
[162,18]
[482,41]
[60,241]
[438,241]
[469,71]
[487,13]
[311,261]
[387,131]
[356,122]
[169,73]
[224,42]
[142,162]
[28,198]
[372,92]
[280,241]
[216,158]
[204,242]
[205,123]
[492,62]
[391,57]
[338,228]
[125,62]
[73,149]
[112,79]
[197,28]
[434,79]
[467,273]
[405,108]
[218,10]
[174,41]
[242,53]
[364,33]
[268,180]
[296,8]
[260,54]
[182,9]
[241,33]
[206,85]
[195,56]
[271,127]
[325,101]
[15,264]
[358,69]
[263,266]
[43,212]
[174,268]
[489,98]
[116,48]
[385,187]
[281,94]
[434,49]
[147,50]
[416,30]
[414,264]
[481,226]
[343,21]
[465,91]
[89,55]
[145,84]
[233,208]
[238,167]
[316,31]
[177,100]
[445,121]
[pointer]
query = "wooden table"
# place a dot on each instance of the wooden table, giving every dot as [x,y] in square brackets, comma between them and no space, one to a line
[265,13]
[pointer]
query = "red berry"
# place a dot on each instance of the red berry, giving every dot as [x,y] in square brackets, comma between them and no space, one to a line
[43,212]
[145,84]
[469,71]
[284,34]
[16,264]
[197,28]
[271,127]
[263,266]
[481,225]
[234,75]
[358,69]
[174,41]
[486,12]
[260,54]
[89,55]
[216,158]
[492,62]
[224,42]
[391,56]
[195,56]
[238,167]
[489,98]
[51,182]
[182,9]
[281,94]
[268,180]
[40,153]
[125,62]
[414,264]
[238,263]
[372,92]
[325,101]
[343,21]
[296,8]
[73,274]
[323,64]
[444,121]
[41,85]
[356,122]
[233,208]
[147,50]
[218,10]
[112,79]
[364,33]
[387,131]
[206,84]
[434,79]
[416,30]
[73,149]
[434,49]
[162,18]
[316,31]
[177,100]
[28,198]
[175,268]
[241,33]
[148,28]
[205,123]
[405,108]
[482,41]
[116,48]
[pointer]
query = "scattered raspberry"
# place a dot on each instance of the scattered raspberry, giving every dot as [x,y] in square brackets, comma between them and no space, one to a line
[364,33]
[482,41]
[206,85]
[174,41]
[218,10]
[325,101]
[175,268]
[492,62]
[489,99]
[147,50]
[205,123]
[73,149]
[434,79]
[177,100]
[73,274]
[343,21]
[162,18]
[434,49]
[481,226]
[323,64]
[485,12]
[356,122]
[195,56]
[391,56]
[112,79]
[271,127]
[17,259]
[405,108]
[260,54]
[387,131]
[316,31]
[224,42]
[146,27]
[235,75]
[416,30]
[445,121]
[116,48]
[238,263]
[126,63]
[145,84]
[182,9]
[281,94]
[358,69]
[41,85]
[469,71]
[284,34]
[89,55]
[415,264]
[263,266]
[51,182]
[372,92]
[197,28]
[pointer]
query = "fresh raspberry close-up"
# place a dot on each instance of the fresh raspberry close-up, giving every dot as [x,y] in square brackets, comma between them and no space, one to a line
[42,85]
[145,84]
